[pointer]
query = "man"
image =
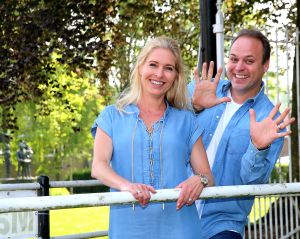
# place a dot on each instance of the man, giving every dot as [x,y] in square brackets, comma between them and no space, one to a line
[243,131]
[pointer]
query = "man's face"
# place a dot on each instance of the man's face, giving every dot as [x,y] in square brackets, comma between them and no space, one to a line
[245,68]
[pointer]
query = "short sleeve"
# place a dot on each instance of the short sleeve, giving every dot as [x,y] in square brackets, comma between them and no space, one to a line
[104,121]
[196,132]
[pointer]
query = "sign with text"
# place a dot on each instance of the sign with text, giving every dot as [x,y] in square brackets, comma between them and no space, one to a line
[18,224]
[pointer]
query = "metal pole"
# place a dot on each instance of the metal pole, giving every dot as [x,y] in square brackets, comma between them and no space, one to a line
[43,216]
[219,31]
[207,52]
[298,89]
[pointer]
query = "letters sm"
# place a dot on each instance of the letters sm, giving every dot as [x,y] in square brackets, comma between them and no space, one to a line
[18,224]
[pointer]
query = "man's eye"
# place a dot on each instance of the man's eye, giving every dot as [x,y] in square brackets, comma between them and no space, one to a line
[233,59]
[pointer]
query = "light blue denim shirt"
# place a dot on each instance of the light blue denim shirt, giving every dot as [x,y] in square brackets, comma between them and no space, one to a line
[237,161]
[159,159]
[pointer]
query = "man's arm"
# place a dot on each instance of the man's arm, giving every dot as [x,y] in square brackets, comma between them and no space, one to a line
[257,165]
[265,146]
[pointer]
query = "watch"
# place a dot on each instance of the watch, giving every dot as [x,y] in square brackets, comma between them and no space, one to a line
[203,179]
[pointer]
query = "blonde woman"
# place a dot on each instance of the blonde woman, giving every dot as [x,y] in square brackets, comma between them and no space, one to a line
[147,141]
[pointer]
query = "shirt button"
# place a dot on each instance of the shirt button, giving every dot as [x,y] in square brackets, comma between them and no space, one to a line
[210,135]
[217,116]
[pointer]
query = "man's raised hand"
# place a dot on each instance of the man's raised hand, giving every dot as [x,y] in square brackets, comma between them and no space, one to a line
[205,89]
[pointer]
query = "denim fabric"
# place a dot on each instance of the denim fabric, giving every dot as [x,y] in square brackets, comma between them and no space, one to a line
[160,160]
[237,161]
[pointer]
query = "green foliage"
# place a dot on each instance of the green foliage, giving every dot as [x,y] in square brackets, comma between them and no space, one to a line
[59,57]
[262,13]
[279,173]
[32,30]
[139,20]
[62,60]
[85,174]
[58,127]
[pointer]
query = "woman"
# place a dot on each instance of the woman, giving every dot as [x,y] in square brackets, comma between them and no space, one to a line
[147,141]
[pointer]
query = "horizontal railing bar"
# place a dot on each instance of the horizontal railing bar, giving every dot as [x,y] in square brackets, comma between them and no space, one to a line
[75,183]
[291,233]
[83,235]
[19,186]
[112,198]
[53,184]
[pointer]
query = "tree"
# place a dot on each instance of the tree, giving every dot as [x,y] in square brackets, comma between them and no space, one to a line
[100,35]
[99,38]
[32,30]
[61,136]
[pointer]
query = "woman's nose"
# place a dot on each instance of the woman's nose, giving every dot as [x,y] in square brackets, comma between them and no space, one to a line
[159,72]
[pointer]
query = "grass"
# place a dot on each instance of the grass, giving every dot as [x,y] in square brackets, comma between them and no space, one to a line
[77,220]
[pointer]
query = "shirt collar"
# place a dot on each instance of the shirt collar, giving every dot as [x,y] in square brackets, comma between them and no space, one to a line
[226,86]
[134,109]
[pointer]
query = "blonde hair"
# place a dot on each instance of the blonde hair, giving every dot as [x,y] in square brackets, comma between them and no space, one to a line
[177,95]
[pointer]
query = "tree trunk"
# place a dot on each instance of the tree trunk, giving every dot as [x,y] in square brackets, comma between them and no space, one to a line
[294,127]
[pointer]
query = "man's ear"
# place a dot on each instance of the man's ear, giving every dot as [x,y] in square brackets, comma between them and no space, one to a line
[266,66]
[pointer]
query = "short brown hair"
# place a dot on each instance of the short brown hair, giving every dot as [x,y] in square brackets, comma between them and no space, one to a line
[259,36]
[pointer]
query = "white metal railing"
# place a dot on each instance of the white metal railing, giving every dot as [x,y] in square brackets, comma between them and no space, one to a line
[53,184]
[112,198]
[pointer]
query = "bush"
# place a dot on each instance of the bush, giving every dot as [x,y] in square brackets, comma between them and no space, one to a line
[85,174]
[280,173]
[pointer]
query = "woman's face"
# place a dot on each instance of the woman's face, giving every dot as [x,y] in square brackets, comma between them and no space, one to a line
[158,73]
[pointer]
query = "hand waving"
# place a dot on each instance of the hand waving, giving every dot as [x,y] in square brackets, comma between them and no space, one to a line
[265,132]
[205,90]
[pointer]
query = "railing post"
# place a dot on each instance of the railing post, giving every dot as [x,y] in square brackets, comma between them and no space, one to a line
[43,216]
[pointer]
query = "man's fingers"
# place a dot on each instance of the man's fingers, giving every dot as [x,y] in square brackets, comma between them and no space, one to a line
[218,75]
[210,70]
[204,71]
[281,117]
[274,110]
[286,122]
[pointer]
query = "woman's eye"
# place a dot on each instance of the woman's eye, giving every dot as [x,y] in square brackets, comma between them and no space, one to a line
[169,68]
[152,64]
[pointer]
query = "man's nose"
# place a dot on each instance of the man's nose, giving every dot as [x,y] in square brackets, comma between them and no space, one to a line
[240,65]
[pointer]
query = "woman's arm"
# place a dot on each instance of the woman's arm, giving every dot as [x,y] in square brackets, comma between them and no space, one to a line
[102,171]
[200,163]
[192,187]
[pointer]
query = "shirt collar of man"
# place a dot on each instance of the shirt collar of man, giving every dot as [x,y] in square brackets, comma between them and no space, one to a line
[226,86]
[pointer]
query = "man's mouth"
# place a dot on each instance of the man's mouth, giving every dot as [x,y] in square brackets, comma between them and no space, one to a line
[238,76]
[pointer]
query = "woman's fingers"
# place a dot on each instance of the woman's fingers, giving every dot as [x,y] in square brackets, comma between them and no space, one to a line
[142,193]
